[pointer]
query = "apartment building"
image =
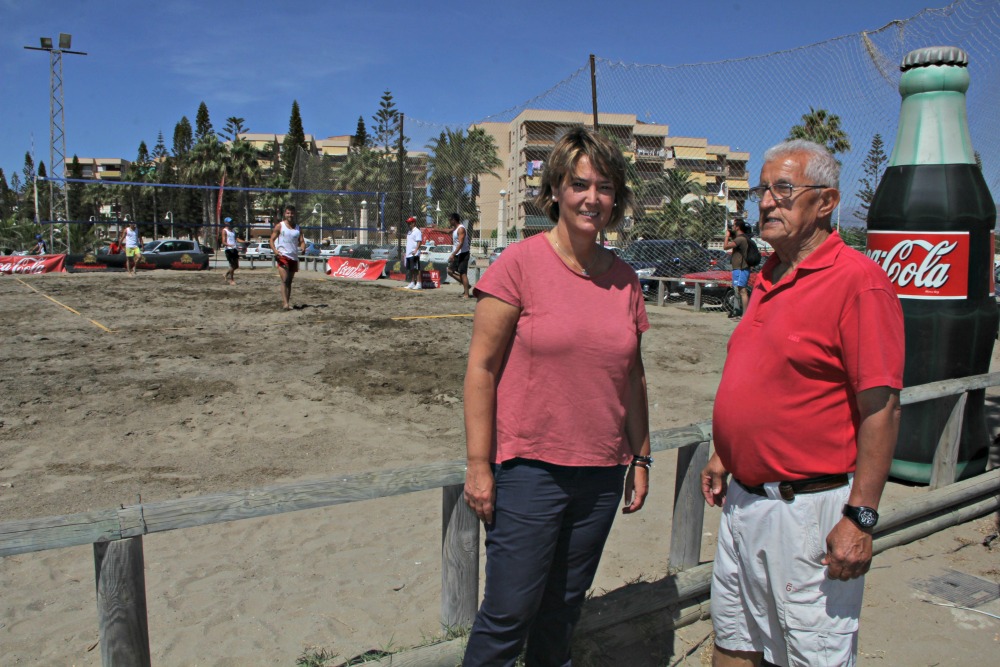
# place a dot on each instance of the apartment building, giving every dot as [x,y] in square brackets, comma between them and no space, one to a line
[506,201]
[103,168]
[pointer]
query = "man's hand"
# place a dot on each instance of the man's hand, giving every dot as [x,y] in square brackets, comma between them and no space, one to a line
[713,482]
[636,488]
[480,491]
[848,551]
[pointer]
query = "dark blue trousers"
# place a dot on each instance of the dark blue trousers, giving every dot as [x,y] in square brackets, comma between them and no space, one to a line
[542,551]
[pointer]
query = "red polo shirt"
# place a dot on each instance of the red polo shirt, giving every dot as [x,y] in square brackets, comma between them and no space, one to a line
[786,407]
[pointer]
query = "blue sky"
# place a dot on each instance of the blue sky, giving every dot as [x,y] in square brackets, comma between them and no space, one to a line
[448,62]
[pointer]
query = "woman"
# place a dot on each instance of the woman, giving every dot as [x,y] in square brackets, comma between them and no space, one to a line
[555,409]
[287,242]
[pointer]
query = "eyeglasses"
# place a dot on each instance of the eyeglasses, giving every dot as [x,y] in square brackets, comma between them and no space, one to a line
[779,191]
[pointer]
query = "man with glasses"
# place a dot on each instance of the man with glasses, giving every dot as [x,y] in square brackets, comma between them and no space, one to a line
[810,456]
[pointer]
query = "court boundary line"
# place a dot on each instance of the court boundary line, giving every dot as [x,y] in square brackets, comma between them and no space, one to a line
[59,303]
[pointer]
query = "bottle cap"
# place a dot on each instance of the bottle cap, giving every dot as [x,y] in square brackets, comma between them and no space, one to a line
[935,55]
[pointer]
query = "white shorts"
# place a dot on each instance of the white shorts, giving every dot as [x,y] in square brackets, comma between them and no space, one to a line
[770,592]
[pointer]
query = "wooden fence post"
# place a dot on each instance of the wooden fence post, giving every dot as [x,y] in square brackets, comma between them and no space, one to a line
[688,520]
[943,468]
[121,603]
[459,559]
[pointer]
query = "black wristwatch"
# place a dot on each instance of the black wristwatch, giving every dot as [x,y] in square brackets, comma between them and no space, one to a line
[865,517]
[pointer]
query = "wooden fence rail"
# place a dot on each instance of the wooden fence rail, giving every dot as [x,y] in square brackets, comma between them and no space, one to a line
[117,533]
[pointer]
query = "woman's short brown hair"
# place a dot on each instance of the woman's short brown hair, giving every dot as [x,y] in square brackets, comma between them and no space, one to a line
[604,156]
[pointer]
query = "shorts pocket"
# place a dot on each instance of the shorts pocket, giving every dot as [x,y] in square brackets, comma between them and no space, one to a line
[820,634]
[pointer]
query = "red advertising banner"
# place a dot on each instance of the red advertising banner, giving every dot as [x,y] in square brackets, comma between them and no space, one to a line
[923,265]
[359,269]
[33,264]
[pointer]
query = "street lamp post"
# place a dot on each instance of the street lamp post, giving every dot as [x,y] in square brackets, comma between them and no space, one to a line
[502,221]
[170,216]
[437,214]
[318,208]
[363,233]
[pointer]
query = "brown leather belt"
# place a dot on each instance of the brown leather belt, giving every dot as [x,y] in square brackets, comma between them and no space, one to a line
[789,489]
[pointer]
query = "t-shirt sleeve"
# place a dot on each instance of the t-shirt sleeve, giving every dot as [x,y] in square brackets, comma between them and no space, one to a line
[641,319]
[502,279]
[871,330]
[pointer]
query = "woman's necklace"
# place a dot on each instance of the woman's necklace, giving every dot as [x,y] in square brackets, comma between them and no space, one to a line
[584,269]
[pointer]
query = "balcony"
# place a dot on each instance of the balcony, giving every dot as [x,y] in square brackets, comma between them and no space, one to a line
[539,141]
[651,153]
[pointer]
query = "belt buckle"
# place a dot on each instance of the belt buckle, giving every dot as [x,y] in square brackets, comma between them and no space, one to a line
[786,491]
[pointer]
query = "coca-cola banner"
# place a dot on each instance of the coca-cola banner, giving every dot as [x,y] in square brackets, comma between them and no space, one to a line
[359,269]
[33,264]
[923,265]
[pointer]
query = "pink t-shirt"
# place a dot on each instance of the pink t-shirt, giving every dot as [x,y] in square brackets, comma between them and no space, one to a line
[786,408]
[564,383]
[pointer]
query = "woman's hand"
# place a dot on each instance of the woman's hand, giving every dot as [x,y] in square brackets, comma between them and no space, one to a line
[480,492]
[636,489]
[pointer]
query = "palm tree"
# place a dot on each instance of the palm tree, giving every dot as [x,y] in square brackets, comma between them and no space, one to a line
[244,170]
[676,192]
[823,127]
[205,166]
[458,160]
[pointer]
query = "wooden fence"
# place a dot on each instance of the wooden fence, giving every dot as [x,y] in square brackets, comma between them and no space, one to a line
[116,534]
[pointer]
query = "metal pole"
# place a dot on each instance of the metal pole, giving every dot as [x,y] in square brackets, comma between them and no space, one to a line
[400,160]
[502,221]
[593,91]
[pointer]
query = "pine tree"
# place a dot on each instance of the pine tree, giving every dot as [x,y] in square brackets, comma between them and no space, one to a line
[203,125]
[182,137]
[235,126]
[360,139]
[74,191]
[873,166]
[6,198]
[160,149]
[295,139]
[386,124]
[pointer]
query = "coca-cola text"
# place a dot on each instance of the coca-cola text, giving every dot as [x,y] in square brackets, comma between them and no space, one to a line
[928,265]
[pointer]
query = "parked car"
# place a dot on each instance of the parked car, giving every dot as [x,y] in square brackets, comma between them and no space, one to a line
[312,250]
[719,285]
[360,251]
[332,250]
[259,250]
[243,247]
[166,252]
[424,249]
[613,248]
[439,254]
[495,255]
[388,252]
[665,258]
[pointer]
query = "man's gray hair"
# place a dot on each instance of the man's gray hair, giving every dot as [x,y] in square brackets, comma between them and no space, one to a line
[821,169]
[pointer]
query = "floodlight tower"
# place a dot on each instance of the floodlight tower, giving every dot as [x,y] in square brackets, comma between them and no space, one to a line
[58,199]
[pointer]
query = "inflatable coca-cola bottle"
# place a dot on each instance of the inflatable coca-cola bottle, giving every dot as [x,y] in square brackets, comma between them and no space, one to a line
[930,226]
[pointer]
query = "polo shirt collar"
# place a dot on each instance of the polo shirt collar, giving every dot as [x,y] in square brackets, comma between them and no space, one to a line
[821,258]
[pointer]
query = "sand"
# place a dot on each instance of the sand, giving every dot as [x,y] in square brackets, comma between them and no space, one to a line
[174,384]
